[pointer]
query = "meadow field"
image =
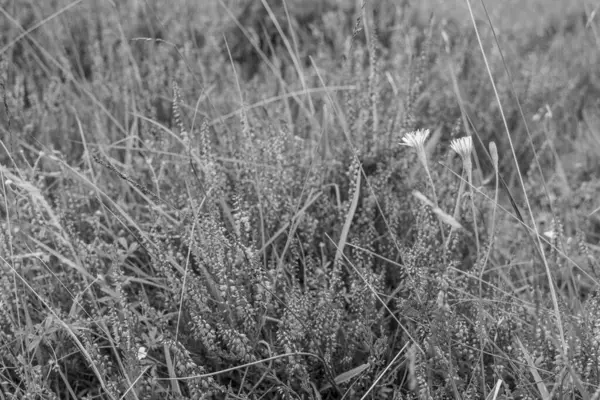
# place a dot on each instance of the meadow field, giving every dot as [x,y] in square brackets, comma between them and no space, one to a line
[299,199]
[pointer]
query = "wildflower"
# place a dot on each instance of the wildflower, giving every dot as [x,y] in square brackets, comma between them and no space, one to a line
[417,140]
[543,113]
[463,146]
[142,353]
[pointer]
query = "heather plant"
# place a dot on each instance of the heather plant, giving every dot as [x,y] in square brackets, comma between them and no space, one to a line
[174,227]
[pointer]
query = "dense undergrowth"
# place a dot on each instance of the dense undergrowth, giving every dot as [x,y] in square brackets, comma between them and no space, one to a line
[319,204]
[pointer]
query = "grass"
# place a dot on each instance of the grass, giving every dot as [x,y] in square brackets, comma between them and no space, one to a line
[322,201]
